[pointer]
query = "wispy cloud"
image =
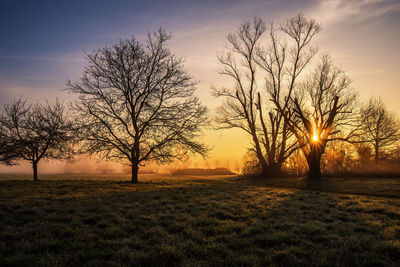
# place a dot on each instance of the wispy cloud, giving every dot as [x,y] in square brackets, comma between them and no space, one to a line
[329,12]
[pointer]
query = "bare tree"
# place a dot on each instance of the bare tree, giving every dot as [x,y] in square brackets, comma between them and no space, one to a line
[9,150]
[326,108]
[35,132]
[239,110]
[137,103]
[284,61]
[380,128]
[260,113]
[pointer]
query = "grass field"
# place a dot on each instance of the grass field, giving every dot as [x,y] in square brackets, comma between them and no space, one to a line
[199,222]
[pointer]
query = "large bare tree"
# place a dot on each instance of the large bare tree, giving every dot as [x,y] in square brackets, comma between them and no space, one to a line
[380,128]
[239,110]
[35,132]
[258,110]
[137,103]
[326,107]
[284,61]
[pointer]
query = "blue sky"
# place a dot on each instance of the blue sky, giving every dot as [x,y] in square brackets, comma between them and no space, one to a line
[42,42]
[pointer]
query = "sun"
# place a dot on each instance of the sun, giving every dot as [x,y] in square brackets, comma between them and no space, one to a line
[315,137]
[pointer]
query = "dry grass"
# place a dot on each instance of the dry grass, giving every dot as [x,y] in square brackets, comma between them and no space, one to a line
[193,222]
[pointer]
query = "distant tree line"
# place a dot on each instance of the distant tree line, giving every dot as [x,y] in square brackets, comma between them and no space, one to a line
[135,102]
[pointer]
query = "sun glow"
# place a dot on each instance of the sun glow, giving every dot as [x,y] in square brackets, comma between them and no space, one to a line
[315,137]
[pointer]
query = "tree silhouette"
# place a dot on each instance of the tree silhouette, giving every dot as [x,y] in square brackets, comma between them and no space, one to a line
[326,108]
[380,128]
[284,61]
[252,109]
[137,103]
[35,132]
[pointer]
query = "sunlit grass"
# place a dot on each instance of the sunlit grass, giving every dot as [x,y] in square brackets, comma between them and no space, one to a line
[192,222]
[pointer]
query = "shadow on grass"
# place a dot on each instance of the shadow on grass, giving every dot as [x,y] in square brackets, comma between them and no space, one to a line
[380,187]
[322,229]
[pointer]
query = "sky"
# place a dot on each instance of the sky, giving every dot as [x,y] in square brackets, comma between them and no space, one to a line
[42,43]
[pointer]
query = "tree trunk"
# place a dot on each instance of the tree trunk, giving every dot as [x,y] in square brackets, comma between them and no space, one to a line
[376,152]
[135,170]
[259,154]
[261,159]
[35,175]
[274,170]
[314,162]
